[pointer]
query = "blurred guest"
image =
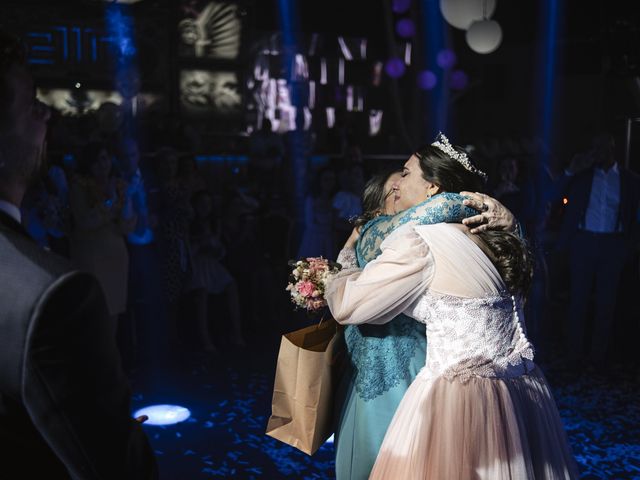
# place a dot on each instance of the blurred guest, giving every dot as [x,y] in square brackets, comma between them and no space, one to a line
[174,216]
[266,172]
[507,185]
[264,141]
[600,227]
[241,236]
[110,119]
[346,201]
[207,276]
[353,154]
[189,175]
[60,368]
[143,330]
[266,155]
[102,214]
[46,210]
[318,235]
[514,189]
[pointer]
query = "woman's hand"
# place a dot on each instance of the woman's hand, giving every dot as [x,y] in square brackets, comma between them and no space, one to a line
[493,216]
[353,238]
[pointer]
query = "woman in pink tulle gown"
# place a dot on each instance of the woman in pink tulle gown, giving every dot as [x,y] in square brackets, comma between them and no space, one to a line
[480,408]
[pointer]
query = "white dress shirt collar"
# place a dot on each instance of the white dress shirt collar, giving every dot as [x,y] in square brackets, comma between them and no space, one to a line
[11,210]
[613,169]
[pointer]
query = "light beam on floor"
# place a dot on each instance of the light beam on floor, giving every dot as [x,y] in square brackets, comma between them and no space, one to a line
[163,414]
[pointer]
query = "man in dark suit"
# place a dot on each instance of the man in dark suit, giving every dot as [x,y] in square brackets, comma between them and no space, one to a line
[600,228]
[64,400]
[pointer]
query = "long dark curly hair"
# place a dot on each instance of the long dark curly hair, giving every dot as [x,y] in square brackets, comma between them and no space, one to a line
[509,253]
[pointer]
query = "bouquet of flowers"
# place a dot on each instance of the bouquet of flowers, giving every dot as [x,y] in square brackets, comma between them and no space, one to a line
[308,280]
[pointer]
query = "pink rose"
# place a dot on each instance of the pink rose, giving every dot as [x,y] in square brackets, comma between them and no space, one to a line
[305,288]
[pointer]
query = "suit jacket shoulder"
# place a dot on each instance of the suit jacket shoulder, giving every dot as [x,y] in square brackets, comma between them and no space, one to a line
[60,371]
[26,273]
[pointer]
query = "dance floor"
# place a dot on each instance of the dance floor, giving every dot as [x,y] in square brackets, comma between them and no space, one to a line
[229,396]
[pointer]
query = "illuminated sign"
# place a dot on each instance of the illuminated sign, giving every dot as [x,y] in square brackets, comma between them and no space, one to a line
[68,44]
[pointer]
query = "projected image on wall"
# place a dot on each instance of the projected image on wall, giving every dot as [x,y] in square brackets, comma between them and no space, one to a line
[209,29]
[76,101]
[205,92]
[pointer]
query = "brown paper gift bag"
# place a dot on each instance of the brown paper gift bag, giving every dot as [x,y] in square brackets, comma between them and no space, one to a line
[303,391]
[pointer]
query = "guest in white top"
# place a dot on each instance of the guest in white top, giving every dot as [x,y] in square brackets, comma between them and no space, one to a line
[600,226]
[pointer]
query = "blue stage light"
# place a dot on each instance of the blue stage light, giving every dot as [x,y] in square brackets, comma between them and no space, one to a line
[395,67]
[459,80]
[427,80]
[446,58]
[400,6]
[405,28]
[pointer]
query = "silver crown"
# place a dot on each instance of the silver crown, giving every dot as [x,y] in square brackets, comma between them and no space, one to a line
[442,143]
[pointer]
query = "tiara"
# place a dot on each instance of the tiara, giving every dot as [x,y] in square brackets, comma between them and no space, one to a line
[442,143]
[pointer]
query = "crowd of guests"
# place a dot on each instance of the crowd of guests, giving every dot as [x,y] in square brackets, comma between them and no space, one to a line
[153,233]
[156,225]
[185,258]
[581,216]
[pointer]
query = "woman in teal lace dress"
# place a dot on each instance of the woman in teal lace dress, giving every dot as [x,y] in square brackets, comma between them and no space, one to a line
[384,359]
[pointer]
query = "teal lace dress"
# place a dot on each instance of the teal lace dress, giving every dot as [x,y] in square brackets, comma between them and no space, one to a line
[384,359]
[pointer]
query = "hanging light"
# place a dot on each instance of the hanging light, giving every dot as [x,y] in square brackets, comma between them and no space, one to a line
[484,36]
[462,13]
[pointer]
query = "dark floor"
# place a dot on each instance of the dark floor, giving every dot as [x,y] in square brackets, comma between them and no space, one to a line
[229,396]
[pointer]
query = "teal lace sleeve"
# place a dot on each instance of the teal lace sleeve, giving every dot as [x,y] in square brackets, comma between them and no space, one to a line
[444,207]
[384,356]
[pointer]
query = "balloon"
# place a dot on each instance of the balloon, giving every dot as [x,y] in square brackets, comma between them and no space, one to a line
[484,36]
[462,13]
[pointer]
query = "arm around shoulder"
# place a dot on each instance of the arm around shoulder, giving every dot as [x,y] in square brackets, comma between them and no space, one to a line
[386,286]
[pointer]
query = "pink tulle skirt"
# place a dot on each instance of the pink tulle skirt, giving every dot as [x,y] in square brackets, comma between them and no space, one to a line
[486,428]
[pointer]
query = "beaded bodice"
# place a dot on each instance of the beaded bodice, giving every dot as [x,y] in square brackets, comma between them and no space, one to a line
[473,337]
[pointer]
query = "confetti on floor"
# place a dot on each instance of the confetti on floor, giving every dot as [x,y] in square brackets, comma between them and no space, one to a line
[230,400]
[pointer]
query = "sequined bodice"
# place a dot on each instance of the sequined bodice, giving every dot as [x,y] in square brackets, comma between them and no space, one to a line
[473,337]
